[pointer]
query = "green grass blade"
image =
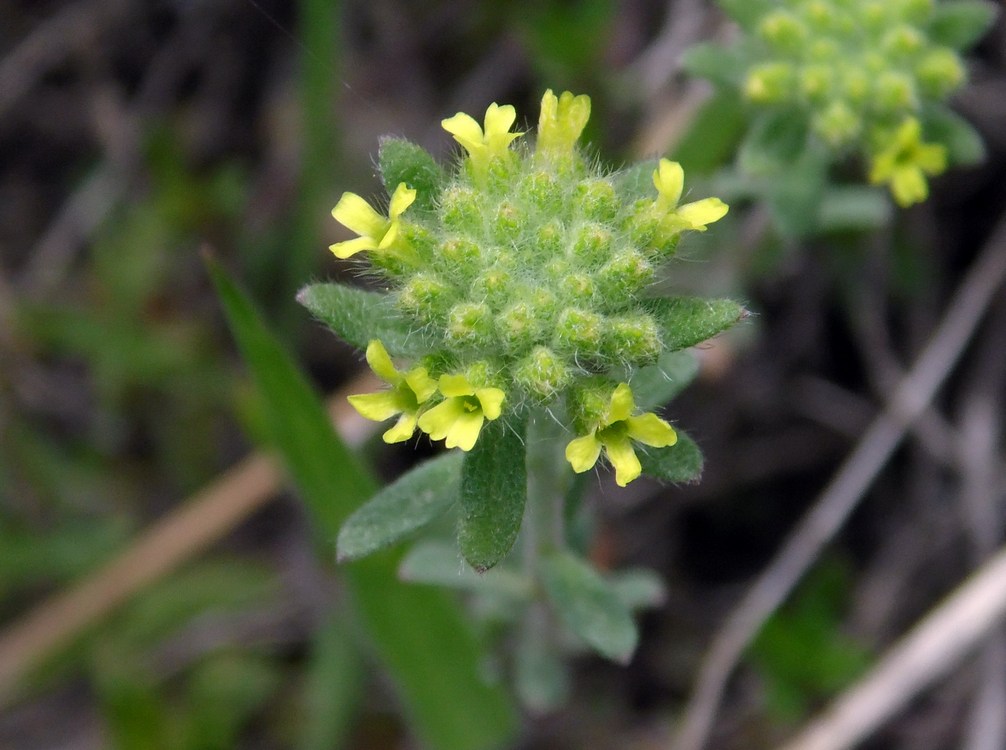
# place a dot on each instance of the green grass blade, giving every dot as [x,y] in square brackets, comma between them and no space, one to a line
[420,634]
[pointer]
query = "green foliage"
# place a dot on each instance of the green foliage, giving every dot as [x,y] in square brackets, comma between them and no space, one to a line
[960,23]
[801,651]
[435,660]
[657,384]
[358,316]
[493,492]
[437,563]
[680,463]
[400,160]
[687,321]
[401,508]
[589,606]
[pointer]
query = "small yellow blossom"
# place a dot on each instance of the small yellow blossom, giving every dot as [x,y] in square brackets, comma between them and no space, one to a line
[669,179]
[905,162]
[562,121]
[459,418]
[615,433]
[376,232]
[408,393]
[484,145]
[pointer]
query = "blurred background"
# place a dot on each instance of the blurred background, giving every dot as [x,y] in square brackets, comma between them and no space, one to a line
[136,133]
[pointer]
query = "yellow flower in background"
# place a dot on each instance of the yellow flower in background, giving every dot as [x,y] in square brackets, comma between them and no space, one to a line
[408,393]
[669,179]
[376,232]
[484,144]
[459,418]
[905,162]
[562,121]
[615,433]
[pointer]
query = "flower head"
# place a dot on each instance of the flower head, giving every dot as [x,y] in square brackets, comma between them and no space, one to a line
[376,232]
[459,418]
[484,144]
[669,179]
[561,122]
[409,391]
[905,161]
[614,432]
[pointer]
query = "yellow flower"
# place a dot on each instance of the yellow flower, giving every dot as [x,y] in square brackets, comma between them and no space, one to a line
[459,418]
[562,120]
[409,391]
[669,179]
[484,146]
[615,433]
[905,161]
[376,232]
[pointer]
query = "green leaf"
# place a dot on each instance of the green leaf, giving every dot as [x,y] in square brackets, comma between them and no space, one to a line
[589,606]
[679,463]
[775,141]
[493,492]
[357,316]
[854,208]
[687,321]
[636,181]
[719,64]
[964,144]
[795,194]
[747,13]
[408,504]
[403,161]
[420,634]
[333,686]
[960,23]
[639,588]
[440,564]
[657,384]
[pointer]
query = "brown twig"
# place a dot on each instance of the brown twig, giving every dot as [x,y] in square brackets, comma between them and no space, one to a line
[189,530]
[838,499]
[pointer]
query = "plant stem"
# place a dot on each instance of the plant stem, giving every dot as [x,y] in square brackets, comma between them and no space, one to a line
[548,479]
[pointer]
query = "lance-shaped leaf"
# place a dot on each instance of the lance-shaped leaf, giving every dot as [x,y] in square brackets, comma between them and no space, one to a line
[961,23]
[589,606]
[401,160]
[655,385]
[679,463]
[687,321]
[357,316]
[439,564]
[402,507]
[493,492]
[964,143]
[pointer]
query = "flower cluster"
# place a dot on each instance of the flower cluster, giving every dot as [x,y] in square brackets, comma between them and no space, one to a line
[526,270]
[867,76]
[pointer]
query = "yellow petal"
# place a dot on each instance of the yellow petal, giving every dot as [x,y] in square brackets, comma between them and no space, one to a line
[421,383]
[456,385]
[376,406]
[355,213]
[437,421]
[623,458]
[669,179]
[465,431]
[402,431]
[562,120]
[583,452]
[931,158]
[650,429]
[621,404]
[491,400]
[403,197]
[703,212]
[465,131]
[908,185]
[499,119]
[380,363]
[389,236]
[349,248]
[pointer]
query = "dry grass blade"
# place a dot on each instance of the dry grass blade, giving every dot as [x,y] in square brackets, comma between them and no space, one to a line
[840,497]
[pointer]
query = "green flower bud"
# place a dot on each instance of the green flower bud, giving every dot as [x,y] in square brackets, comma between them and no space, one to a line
[782,31]
[549,239]
[894,92]
[816,82]
[902,42]
[940,72]
[508,222]
[769,83]
[542,374]
[624,276]
[825,51]
[634,339]
[460,208]
[426,297]
[541,190]
[592,244]
[518,326]
[579,332]
[856,85]
[495,286]
[460,254]
[469,324]
[578,288]
[598,200]
[820,16]
[837,125]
